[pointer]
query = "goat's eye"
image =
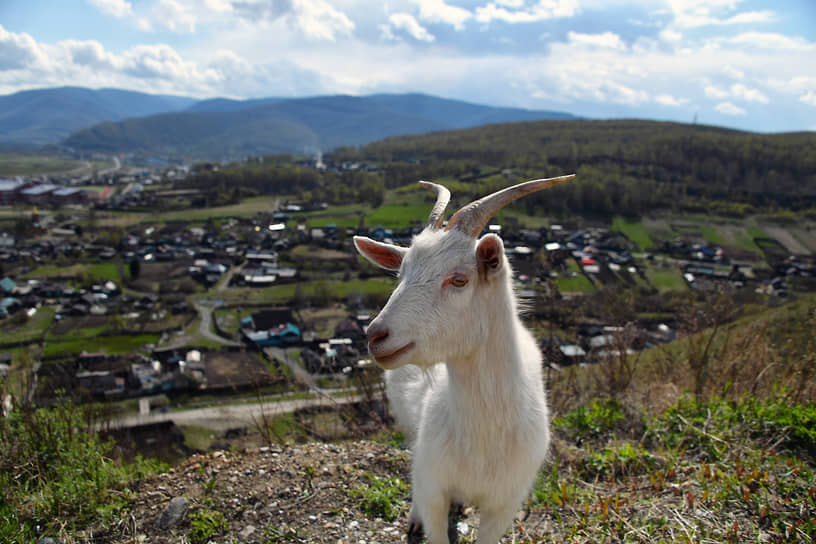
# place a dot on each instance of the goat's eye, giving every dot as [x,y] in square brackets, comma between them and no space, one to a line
[458,281]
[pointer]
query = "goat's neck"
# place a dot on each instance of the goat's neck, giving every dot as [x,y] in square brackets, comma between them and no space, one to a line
[491,374]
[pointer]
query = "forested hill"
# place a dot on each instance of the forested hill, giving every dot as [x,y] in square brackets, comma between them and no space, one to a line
[229,129]
[623,166]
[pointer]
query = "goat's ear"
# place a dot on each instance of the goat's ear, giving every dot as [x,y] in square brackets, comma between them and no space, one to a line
[489,255]
[386,256]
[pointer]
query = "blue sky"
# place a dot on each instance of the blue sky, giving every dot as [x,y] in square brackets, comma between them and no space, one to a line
[745,64]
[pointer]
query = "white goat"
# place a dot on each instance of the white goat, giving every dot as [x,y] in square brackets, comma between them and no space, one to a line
[479,420]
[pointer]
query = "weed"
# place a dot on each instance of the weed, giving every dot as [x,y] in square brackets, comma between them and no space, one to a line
[206,523]
[382,497]
[599,419]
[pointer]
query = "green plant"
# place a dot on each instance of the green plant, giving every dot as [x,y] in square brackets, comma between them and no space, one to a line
[206,523]
[616,461]
[598,419]
[55,473]
[381,497]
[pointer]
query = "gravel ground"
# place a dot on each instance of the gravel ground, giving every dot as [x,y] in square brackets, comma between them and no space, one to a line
[304,493]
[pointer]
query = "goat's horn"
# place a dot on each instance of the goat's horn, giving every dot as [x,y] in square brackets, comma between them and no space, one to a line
[473,217]
[442,198]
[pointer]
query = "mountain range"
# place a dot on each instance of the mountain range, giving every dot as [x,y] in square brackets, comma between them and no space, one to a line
[115,121]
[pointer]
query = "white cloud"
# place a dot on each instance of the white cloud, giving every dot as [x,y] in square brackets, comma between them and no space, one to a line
[738,90]
[669,100]
[699,13]
[541,11]
[764,16]
[733,73]
[18,51]
[408,24]
[671,36]
[318,20]
[437,11]
[808,98]
[176,16]
[728,108]
[606,40]
[90,54]
[115,8]
[712,91]
[770,40]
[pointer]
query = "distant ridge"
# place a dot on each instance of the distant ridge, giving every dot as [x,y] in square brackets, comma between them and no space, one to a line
[224,128]
[45,116]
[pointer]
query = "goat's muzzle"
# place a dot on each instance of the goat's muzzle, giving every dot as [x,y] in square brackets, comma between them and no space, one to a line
[377,338]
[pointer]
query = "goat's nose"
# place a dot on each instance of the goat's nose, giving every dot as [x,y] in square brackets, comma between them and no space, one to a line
[376,336]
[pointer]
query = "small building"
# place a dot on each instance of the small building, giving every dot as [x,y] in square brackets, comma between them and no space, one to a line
[283,335]
[38,194]
[9,191]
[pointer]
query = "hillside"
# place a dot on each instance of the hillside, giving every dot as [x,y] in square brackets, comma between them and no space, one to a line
[47,115]
[623,166]
[233,129]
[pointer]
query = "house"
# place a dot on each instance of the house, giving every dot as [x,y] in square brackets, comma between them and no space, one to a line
[9,191]
[69,195]
[7,285]
[282,335]
[7,241]
[349,328]
[268,319]
[8,306]
[38,194]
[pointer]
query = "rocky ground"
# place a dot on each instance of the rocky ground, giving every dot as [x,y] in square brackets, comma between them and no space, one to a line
[336,493]
[353,492]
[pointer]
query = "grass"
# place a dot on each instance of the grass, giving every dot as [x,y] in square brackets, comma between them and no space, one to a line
[30,330]
[325,290]
[746,239]
[634,230]
[699,472]
[93,339]
[575,284]
[712,236]
[665,279]
[573,280]
[246,208]
[205,523]
[25,164]
[93,271]
[56,478]
[381,497]
[398,216]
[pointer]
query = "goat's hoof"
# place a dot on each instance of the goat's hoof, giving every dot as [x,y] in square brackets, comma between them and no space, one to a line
[414,532]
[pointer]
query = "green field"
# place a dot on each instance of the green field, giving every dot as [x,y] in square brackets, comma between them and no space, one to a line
[95,271]
[665,279]
[247,208]
[24,164]
[398,216]
[12,332]
[634,230]
[91,340]
[325,289]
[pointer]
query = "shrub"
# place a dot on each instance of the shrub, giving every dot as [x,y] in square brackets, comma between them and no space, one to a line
[55,475]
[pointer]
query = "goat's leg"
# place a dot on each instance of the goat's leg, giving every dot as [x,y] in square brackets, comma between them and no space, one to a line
[494,522]
[431,517]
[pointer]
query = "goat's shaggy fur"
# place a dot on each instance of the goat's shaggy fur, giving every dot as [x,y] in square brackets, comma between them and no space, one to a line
[463,378]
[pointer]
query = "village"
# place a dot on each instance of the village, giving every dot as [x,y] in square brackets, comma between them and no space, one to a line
[269,302]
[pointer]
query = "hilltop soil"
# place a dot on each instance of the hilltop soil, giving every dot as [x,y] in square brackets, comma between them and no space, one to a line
[315,492]
[304,493]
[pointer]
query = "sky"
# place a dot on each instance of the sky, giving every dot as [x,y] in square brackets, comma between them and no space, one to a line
[745,64]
